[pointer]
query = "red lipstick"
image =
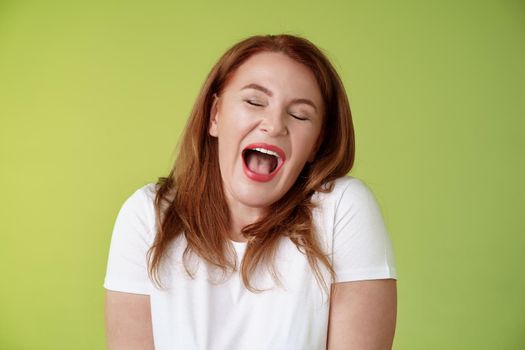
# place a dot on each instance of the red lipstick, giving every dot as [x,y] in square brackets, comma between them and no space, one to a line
[268,149]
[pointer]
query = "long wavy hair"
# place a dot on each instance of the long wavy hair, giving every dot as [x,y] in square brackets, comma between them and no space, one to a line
[190,201]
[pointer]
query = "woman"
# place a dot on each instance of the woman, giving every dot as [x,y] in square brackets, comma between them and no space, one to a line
[256,239]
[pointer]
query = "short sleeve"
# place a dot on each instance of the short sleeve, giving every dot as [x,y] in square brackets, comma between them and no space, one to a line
[132,236]
[362,248]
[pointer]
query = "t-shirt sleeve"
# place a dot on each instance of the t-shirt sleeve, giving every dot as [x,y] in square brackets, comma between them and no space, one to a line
[131,238]
[362,249]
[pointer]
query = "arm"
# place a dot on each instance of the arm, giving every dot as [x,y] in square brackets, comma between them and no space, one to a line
[128,321]
[362,315]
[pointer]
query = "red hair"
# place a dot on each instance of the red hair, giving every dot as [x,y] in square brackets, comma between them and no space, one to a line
[190,200]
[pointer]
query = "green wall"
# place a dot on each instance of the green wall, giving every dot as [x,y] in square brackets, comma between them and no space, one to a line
[94,95]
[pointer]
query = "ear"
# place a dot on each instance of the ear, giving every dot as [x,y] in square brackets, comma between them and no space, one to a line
[213,127]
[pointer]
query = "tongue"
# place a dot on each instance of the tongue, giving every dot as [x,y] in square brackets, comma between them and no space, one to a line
[260,163]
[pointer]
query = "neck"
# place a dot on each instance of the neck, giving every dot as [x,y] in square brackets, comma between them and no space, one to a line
[241,216]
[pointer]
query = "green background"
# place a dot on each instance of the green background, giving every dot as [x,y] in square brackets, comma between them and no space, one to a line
[94,95]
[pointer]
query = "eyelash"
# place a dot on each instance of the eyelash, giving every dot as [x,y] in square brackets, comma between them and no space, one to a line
[252,103]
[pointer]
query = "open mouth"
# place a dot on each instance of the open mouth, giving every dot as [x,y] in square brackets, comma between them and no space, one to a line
[261,161]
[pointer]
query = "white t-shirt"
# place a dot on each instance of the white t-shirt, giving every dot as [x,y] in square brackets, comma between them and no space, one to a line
[198,314]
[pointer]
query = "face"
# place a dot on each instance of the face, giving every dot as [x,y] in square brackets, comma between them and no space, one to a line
[267,120]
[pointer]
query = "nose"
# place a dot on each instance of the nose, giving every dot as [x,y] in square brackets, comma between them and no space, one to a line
[274,124]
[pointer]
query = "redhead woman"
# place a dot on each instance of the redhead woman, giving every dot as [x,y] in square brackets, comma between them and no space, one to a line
[258,238]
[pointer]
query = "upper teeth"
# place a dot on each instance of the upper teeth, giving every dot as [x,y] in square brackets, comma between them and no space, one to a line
[267,151]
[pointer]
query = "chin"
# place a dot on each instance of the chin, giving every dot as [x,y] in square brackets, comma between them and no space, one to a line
[256,199]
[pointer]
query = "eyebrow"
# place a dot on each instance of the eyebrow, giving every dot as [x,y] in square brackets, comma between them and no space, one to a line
[270,93]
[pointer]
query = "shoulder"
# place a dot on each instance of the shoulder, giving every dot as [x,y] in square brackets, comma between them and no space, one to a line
[139,206]
[145,193]
[133,233]
[353,223]
[141,197]
[348,182]
[349,206]
[345,189]
[344,199]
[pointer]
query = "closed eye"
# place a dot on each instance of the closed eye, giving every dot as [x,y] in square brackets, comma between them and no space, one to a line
[254,103]
[298,117]
[259,104]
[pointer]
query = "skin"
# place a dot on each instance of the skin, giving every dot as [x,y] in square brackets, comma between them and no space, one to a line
[362,317]
[128,321]
[279,116]
[362,313]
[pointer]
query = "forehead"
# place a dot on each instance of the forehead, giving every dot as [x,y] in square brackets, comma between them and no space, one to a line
[279,73]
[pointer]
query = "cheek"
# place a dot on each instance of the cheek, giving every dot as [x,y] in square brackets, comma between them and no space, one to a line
[230,116]
[237,124]
[231,134]
[306,142]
